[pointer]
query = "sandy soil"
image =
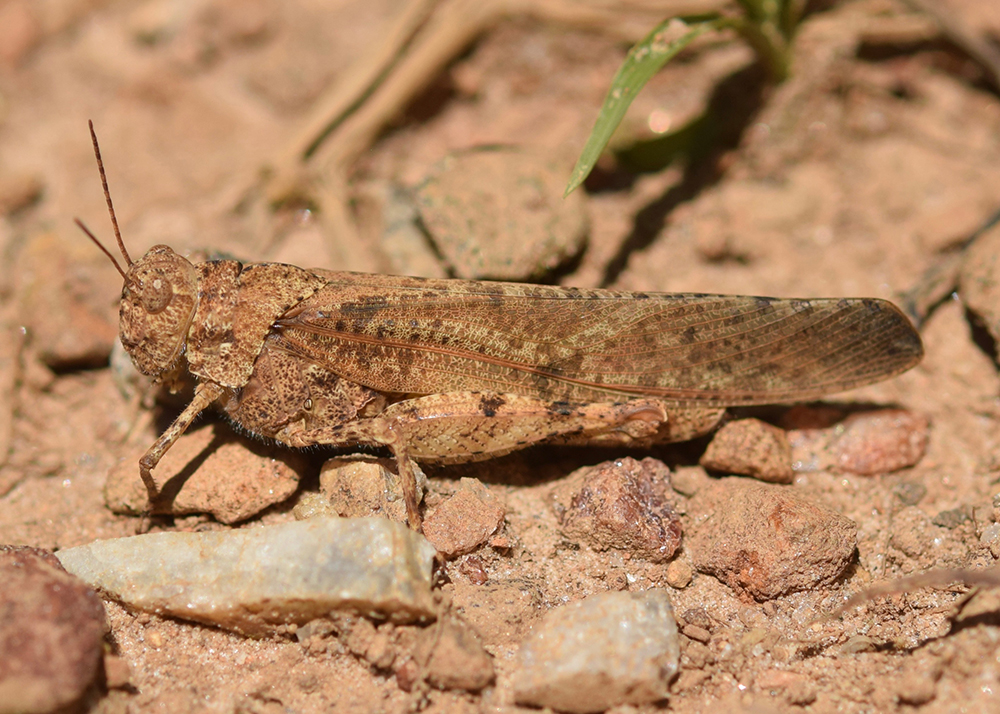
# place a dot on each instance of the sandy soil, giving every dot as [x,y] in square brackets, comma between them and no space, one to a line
[877,157]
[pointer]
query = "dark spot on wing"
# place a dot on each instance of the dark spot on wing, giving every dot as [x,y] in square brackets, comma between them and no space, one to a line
[490,403]
[560,408]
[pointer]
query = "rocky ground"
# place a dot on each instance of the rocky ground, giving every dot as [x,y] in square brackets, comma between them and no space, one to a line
[314,133]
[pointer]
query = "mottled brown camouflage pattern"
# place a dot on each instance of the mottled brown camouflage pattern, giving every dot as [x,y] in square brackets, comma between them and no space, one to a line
[449,370]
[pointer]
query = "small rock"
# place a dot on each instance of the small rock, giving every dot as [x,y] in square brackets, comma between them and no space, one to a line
[117,674]
[453,656]
[359,488]
[623,505]
[690,679]
[51,633]
[916,689]
[694,632]
[679,574]
[213,470]
[797,689]
[880,441]
[698,616]
[810,449]
[607,650]
[688,480]
[465,521]
[801,692]
[474,569]
[501,542]
[310,504]
[407,675]
[356,633]
[952,518]
[767,541]
[864,443]
[380,653]
[252,580]
[991,539]
[913,534]
[65,302]
[499,213]
[910,493]
[857,644]
[979,281]
[751,447]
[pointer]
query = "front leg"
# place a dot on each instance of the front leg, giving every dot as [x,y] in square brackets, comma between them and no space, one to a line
[472,426]
[204,394]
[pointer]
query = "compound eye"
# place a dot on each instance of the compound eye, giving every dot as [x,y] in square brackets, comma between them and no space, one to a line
[156,294]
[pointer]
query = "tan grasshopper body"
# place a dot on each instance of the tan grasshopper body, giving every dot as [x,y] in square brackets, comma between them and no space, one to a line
[449,370]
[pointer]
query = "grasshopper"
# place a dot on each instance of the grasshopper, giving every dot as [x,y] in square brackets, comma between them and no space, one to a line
[449,371]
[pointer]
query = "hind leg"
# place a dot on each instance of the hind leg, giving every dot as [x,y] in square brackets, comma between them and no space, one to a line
[472,426]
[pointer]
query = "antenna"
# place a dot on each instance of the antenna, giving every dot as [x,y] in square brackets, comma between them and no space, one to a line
[101,246]
[111,208]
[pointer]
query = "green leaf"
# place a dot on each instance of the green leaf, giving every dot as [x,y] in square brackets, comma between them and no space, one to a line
[643,61]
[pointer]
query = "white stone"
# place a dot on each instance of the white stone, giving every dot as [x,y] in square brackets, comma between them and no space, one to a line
[607,650]
[253,579]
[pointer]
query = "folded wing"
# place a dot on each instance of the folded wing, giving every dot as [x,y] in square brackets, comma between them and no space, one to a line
[413,336]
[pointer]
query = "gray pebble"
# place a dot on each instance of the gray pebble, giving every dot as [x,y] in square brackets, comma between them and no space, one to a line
[910,493]
[253,579]
[607,650]
[952,518]
[499,213]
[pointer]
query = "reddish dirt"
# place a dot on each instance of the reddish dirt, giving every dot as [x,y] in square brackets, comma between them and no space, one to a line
[852,178]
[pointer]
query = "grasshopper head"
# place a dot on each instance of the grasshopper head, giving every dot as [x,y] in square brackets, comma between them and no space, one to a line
[158,303]
[158,300]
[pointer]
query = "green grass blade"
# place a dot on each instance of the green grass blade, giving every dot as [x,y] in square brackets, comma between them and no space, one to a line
[643,61]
